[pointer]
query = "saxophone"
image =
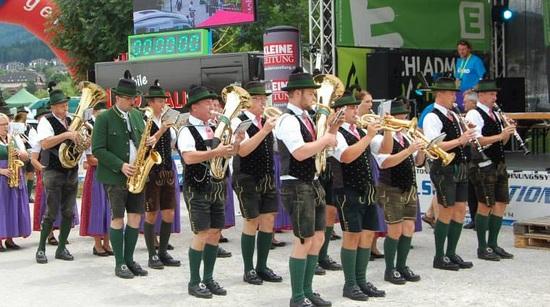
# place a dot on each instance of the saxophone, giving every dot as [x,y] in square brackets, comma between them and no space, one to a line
[14,164]
[146,157]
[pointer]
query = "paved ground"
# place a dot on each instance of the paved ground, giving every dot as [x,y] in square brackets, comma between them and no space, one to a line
[90,281]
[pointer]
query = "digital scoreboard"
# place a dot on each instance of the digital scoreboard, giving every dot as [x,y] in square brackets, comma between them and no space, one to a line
[167,45]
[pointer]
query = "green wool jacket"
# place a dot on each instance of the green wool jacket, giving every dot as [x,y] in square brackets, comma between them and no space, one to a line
[111,143]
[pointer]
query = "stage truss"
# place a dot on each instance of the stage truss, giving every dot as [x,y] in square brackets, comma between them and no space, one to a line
[322,36]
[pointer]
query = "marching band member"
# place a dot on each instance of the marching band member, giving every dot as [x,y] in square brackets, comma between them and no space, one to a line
[254,184]
[60,183]
[451,181]
[355,196]
[204,195]
[160,189]
[303,195]
[490,179]
[95,213]
[116,137]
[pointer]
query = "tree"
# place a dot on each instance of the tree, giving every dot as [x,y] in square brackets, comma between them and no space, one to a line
[31,86]
[91,31]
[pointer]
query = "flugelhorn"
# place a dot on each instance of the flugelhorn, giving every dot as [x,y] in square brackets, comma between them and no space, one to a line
[387,122]
[432,149]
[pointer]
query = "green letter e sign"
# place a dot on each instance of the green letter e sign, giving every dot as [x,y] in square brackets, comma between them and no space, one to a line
[472,20]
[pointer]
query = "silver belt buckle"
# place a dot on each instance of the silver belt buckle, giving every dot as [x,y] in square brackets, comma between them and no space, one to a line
[485,163]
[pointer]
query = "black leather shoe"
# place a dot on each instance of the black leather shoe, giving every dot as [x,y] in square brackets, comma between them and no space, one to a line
[268,275]
[252,278]
[12,245]
[301,303]
[222,253]
[408,274]
[2,248]
[64,255]
[461,263]
[155,263]
[136,269]
[124,272]
[168,260]
[329,264]
[169,247]
[471,225]
[487,254]
[223,240]
[318,301]
[277,243]
[102,254]
[444,263]
[497,249]
[370,290]
[354,293]
[319,270]
[41,257]
[394,277]
[215,288]
[199,290]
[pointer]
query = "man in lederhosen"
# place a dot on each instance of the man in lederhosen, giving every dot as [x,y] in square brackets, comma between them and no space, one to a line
[490,178]
[396,193]
[160,190]
[116,137]
[355,195]
[303,195]
[254,185]
[60,183]
[203,194]
[451,181]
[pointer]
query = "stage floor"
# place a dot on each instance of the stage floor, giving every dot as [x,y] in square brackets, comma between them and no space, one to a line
[516,161]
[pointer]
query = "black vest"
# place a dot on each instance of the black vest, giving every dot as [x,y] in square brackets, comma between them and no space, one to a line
[164,148]
[303,170]
[50,157]
[199,173]
[495,152]
[402,175]
[452,131]
[259,162]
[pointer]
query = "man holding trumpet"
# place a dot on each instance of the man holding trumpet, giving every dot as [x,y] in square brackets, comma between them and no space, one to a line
[490,179]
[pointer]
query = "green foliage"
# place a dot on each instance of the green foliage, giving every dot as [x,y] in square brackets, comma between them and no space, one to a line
[41,93]
[25,51]
[92,31]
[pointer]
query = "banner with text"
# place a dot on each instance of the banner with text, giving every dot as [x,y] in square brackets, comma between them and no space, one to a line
[415,24]
[352,66]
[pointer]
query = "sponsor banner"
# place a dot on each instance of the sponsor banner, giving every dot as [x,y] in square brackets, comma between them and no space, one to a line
[529,194]
[411,23]
[352,66]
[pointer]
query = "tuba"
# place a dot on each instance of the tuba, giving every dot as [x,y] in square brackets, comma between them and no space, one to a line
[236,98]
[14,164]
[146,157]
[331,89]
[69,151]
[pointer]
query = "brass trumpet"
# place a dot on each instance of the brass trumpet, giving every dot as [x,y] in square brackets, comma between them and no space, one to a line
[432,149]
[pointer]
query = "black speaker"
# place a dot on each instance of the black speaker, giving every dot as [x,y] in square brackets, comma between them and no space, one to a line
[511,96]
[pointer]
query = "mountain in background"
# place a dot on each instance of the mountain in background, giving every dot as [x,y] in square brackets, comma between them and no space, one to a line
[17,44]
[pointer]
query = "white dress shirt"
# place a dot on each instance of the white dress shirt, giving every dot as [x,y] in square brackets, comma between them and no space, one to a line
[237,121]
[45,129]
[432,125]
[287,128]
[475,118]
[186,142]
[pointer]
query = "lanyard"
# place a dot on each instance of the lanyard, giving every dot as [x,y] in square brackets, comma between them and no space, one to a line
[464,66]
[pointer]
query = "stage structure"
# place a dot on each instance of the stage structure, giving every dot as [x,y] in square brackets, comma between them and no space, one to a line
[498,45]
[322,33]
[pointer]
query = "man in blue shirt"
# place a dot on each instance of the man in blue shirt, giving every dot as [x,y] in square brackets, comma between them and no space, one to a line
[468,71]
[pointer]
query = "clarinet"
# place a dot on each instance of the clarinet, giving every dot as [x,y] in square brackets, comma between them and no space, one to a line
[474,141]
[505,123]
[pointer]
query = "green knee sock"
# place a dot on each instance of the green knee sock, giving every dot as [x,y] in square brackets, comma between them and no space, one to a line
[403,248]
[164,237]
[149,235]
[349,258]
[130,239]
[440,233]
[297,268]
[195,258]
[117,242]
[390,248]
[64,230]
[324,249]
[363,256]
[482,224]
[44,232]
[30,185]
[494,228]
[455,229]
[264,245]
[311,264]
[209,256]
[247,249]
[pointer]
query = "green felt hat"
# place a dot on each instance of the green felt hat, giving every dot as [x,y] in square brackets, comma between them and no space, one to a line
[444,84]
[300,80]
[346,100]
[398,106]
[57,97]
[256,88]
[155,91]
[196,94]
[487,86]
[126,86]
